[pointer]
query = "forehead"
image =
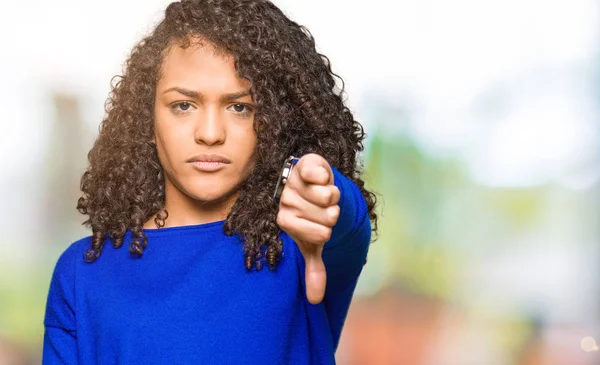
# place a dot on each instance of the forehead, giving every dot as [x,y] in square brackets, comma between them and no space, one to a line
[199,65]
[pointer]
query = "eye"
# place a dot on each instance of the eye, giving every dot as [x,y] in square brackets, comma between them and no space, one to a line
[243,110]
[181,107]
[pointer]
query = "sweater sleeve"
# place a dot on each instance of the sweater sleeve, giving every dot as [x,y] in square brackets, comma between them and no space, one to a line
[345,252]
[60,335]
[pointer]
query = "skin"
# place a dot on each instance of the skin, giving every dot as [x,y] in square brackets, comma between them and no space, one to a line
[212,121]
[308,211]
[215,115]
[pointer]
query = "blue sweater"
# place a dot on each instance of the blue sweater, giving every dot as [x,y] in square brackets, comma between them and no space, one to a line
[190,300]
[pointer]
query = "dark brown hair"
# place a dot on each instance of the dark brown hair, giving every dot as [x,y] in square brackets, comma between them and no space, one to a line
[299,110]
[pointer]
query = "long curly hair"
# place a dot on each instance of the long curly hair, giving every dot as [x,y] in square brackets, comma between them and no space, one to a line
[300,110]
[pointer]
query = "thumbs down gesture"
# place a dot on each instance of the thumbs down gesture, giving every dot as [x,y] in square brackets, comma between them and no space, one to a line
[308,211]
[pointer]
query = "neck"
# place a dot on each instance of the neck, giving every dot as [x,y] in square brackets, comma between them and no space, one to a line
[184,210]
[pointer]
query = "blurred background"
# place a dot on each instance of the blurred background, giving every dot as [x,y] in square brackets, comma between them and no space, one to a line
[483,144]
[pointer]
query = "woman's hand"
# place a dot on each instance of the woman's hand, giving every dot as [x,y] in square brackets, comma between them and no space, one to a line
[308,210]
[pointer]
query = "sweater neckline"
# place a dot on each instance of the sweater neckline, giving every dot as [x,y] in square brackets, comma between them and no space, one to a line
[193,227]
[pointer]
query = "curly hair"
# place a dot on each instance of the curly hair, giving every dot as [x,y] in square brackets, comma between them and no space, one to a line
[299,110]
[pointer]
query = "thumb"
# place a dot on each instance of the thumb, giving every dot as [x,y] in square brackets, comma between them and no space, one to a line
[315,275]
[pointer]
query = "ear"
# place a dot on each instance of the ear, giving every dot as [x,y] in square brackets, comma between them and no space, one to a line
[153,140]
[259,126]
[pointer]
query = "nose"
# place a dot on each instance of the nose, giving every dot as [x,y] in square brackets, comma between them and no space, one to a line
[210,128]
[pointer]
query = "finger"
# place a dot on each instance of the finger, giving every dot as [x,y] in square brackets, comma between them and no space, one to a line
[314,169]
[311,248]
[311,233]
[315,276]
[303,208]
[314,174]
[316,159]
[321,195]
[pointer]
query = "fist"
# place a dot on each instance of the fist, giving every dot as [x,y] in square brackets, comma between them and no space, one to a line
[308,210]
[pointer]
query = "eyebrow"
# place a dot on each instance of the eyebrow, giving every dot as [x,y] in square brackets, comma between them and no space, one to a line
[197,95]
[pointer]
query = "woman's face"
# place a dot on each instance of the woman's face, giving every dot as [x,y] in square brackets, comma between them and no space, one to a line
[203,128]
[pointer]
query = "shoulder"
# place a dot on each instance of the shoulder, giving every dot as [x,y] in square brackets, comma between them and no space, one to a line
[74,251]
[60,304]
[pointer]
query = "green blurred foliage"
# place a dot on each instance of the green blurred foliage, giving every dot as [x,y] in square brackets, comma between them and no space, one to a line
[23,299]
[412,190]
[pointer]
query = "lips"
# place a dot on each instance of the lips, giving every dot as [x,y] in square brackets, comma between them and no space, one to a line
[208,158]
[209,162]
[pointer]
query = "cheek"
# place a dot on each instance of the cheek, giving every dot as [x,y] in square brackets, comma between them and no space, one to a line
[248,148]
[164,145]
[246,141]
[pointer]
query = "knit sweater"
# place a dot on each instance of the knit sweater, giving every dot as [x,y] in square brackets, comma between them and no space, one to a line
[190,300]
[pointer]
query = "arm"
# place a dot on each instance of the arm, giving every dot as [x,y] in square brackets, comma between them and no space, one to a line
[344,254]
[60,336]
[322,210]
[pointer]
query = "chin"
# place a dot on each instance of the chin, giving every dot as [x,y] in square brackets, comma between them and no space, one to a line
[208,194]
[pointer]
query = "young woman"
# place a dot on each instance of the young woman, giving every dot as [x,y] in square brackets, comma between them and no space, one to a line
[187,173]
